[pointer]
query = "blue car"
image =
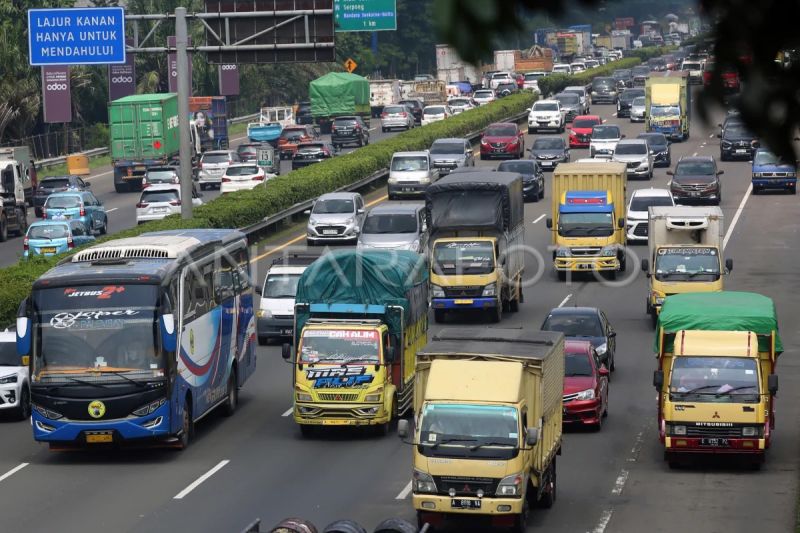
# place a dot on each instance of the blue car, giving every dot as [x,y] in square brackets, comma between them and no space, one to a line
[50,237]
[78,205]
[586,324]
[770,172]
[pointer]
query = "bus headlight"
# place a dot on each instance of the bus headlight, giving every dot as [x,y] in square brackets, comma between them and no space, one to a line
[149,408]
[47,413]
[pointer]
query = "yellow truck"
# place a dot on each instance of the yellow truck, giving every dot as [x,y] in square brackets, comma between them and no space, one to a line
[716,378]
[477,234]
[667,104]
[360,317]
[487,408]
[684,253]
[588,218]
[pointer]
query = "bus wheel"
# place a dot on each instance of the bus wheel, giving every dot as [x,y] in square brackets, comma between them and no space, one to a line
[233,394]
[187,430]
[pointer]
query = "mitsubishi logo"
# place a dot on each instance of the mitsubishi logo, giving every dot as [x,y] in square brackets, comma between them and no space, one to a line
[467,488]
[338,397]
[716,415]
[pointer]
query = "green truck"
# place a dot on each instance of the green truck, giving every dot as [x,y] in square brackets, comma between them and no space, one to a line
[667,107]
[338,94]
[144,133]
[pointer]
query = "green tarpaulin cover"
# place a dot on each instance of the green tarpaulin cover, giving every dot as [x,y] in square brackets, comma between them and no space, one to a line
[338,93]
[720,311]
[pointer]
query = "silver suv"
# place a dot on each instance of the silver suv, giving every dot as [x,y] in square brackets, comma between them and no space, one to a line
[335,217]
[213,165]
[397,116]
[637,158]
[395,226]
[449,154]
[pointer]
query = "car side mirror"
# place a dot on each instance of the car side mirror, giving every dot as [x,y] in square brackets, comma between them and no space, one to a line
[719,136]
[603,371]
[658,379]
[87,185]
[360,211]
[532,436]
[670,173]
[612,334]
[286,351]
[307,212]
[645,266]
[402,428]
[719,126]
[729,264]
[622,136]
[772,384]
[549,223]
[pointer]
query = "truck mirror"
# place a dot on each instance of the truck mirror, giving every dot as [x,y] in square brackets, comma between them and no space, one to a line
[286,351]
[658,379]
[621,223]
[391,354]
[532,436]
[259,290]
[772,384]
[645,266]
[402,428]
[549,223]
[729,264]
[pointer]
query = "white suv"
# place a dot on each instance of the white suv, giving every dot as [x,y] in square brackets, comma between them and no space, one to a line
[160,201]
[213,165]
[15,394]
[637,217]
[499,78]
[546,114]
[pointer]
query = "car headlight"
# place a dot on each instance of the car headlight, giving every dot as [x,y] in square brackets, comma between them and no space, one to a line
[149,408]
[511,485]
[47,413]
[609,250]
[757,174]
[751,431]
[587,394]
[426,179]
[726,144]
[437,291]
[423,482]
[8,379]
[678,430]
[392,180]
[563,251]
[602,349]
[374,397]
[264,313]
[485,142]
[659,300]
[490,290]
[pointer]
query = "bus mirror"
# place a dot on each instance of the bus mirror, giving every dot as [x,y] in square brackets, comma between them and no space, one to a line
[621,223]
[169,337]
[772,384]
[23,336]
[402,428]
[286,351]
[645,266]
[548,222]
[658,379]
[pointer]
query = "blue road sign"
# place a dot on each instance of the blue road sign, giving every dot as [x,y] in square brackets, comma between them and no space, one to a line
[76,36]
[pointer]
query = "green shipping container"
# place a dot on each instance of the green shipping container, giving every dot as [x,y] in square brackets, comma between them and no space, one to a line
[144,127]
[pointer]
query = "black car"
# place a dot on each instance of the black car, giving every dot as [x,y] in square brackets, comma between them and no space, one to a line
[416,107]
[737,143]
[640,74]
[532,177]
[623,77]
[696,180]
[309,153]
[349,130]
[626,99]
[549,151]
[49,185]
[657,64]
[303,114]
[659,147]
[604,90]
[506,89]
[586,324]
[731,119]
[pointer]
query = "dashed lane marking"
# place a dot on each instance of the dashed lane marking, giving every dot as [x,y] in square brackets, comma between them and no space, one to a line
[13,471]
[565,300]
[404,493]
[196,483]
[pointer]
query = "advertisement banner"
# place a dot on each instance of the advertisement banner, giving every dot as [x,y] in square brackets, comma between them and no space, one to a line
[56,96]
[229,80]
[122,78]
[172,66]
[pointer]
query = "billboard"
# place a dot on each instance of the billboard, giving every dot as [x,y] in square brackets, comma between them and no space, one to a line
[172,66]
[229,80]
[122,78]
[56,95]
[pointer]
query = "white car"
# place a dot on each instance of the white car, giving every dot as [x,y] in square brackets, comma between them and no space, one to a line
[275,314]
[435,113]
[15,393]
[531,81]
[160,201]
[499,78]
[460,104]
[484,96]
[603,140]
[635,154]
[637,217]
[546,114]
[242,177]
[562,68]
[592,63]
[638,108]
[212,166]
[577,67]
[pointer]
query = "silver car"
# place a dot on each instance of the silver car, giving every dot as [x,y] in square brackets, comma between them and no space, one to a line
[213,165]
[637,158]
[335,217]
[395,226]
[449,154]
[397,117]
[638,109]
[571,105]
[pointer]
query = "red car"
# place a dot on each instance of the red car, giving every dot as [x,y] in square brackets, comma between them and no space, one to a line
[581,130]
[585,385]
[503,139]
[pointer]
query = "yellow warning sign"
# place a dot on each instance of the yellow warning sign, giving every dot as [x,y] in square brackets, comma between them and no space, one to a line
[350,65]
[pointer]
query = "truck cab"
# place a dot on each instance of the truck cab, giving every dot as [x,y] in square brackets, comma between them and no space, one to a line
[16,186]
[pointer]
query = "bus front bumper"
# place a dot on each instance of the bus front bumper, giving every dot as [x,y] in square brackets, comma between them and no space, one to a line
[154,425]
[326,414]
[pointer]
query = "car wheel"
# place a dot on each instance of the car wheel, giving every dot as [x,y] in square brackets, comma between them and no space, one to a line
[104,227]
[263,341]
[24,407]
[383,130]
[531,131]
[483,157]
[438,315]
[612,362]
[541,191]
[3,228]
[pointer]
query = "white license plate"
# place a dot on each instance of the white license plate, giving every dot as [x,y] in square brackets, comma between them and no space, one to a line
[62,217]
[329,232]
[741,151]
[408,189]
[694,194]
[286,332]
[160,210]
[546,163]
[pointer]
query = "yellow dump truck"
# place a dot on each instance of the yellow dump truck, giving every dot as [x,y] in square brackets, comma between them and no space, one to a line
[716,378]
[588,218]
[487,406]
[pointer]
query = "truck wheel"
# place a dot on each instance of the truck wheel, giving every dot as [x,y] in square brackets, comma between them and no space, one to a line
[623,263]
[521,522]
[438,315]
[654,318]
[3,228]
[549,495]
[513,304]
[22,222]
[496,315]
[308,431]
[562,275]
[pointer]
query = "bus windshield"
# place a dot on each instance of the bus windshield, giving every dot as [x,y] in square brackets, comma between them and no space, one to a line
[96,330]
[340,346]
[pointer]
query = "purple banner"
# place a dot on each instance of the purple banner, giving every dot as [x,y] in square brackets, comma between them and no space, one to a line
[228,80]
[122,78]
[56,95]
[172,66]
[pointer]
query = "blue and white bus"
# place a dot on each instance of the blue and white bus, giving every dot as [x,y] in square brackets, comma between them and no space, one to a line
[137,339]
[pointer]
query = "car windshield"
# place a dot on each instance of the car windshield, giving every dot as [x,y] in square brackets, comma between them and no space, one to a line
[714,379]
[564,68]
[55,183]
[215,158]
[334,206]
[451,428]
[585,224]
[533,76]
[657,141]
[768,158]
[545,107]
[377,223]
[501,130]
[694,168]
[584,122]
[735,131]
[62,202]
[484,94]
[577,364]
[409,163]
[281,285]
[395,109]
[641,203]
[459,102]
[247,150]
[663,110]
[168,195]
[629,96]
[96,331]
[310,148]
[293,135]
[568,99]
[154,176]
[522,167]
[48,231]
[621,74]
[577,325]
[500,76]
[548,143]
[640,71]
[242,171]
[447,148]
[605,132]
[681,264]
[690,66]
[631,149]
[438,110]
[463,257]
[338,346]
[346,122]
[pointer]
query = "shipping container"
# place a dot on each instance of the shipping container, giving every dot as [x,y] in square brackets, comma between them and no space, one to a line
[504,60]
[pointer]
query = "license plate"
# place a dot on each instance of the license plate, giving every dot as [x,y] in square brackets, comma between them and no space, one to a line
[741,150]
[160,210]
[498,150]
[329,232]
[61,217]
[140,168]
[714,442]
[694,194]
[286,332]
[408,189]
[546,163]
[337,422]
[98,438]
[463,503]
[462,302]
[48,250]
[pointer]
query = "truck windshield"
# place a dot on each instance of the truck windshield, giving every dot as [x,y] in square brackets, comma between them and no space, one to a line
[459,430]
[682,264]
[714,379]
[463,257]
[281,285]
[585,224]
[664,110]
[96,331]
[339,346]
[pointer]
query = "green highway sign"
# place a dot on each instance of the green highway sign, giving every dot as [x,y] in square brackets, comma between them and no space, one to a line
[365,15]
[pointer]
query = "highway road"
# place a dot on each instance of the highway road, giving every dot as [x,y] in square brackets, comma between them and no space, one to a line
[256,464]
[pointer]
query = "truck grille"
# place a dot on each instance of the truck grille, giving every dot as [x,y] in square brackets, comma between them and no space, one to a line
[584,252]
[459,292]
[717,432]
[466,486]
[337,397]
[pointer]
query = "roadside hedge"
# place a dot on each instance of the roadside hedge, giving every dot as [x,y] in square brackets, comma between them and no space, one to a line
[243,208]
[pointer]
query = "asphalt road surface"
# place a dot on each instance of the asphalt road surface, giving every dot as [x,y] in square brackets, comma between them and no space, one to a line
[611,481]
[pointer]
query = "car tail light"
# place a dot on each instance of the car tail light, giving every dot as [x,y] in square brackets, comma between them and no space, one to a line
[175,179]
[142,205]
[25,244]
[404,114]
[258,177]
[82,212]
[175,202]
[226,180]
[70,243]
[384,115]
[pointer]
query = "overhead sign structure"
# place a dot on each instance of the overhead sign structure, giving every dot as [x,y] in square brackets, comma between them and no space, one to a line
[76,36]
[350,65]
[365,15]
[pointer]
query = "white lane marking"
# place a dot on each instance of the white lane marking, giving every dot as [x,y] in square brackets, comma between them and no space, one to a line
[637,447]
[736,216]
[565,300]
[112,209]
[538,219]
[711,136]
[405,492]
[196,483]
[373,129]
[288,412]
[17,469]
[619,484]
[106,173]
[605,518]
[694,154]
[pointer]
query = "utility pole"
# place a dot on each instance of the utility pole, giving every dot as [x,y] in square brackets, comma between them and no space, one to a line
[184,89]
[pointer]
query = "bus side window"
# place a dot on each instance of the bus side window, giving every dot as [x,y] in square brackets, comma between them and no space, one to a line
[243,269]
[208,287]
[224,280]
